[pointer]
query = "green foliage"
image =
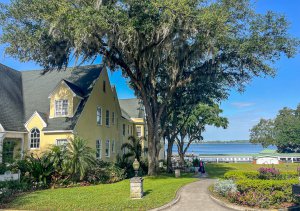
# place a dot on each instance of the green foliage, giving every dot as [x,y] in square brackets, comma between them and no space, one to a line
[225,187]
[263,133]
[196,162]
[283,131]
[9,188]
[177,47]
[104,172]
[240,175]
[134,147]
[78,159]
[39,169]
[255,191]
[124,163]
[3,168]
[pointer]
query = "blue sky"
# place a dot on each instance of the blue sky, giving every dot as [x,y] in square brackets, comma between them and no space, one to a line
[263,96]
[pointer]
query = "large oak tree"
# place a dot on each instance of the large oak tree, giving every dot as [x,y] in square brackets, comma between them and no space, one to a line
[160,45]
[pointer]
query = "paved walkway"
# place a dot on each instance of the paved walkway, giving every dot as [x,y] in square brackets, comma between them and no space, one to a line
[195,196]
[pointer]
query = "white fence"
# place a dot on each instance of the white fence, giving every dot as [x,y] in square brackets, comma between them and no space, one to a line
[8,176]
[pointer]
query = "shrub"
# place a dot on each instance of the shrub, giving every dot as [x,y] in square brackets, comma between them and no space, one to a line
[267,192]
[237,175]
[225,187]
[124,163]
[196,162]
[9,188]
[104,172]
[268,173]
[3,168]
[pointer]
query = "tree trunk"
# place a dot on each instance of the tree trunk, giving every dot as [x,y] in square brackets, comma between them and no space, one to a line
[181,158]
[153,141]
[169,156]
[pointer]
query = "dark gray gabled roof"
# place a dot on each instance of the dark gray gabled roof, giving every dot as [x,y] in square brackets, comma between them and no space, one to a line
[23,93]
[37,87]
[77,90]
[133,107]
[11,100]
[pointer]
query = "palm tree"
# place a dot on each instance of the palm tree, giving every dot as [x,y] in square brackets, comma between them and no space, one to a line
[79,158]
[134,148]
[57,155]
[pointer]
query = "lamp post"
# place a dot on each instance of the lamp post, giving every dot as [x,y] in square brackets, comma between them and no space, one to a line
[136,166]
[136,183]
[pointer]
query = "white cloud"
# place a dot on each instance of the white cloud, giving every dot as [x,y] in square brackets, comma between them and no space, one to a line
[242,104]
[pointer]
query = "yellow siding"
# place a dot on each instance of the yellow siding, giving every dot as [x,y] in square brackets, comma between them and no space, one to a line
[63,92]
[46,140]
[87,126]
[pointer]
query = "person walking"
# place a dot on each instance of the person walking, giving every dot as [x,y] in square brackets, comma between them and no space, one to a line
[201,167]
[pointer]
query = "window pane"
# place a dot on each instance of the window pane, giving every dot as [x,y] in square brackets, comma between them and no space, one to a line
[99,116]
[107,117]
[107,150]
[98,148]
[61,107]
[61,142]
[34,138]
[139,131]
[113,146]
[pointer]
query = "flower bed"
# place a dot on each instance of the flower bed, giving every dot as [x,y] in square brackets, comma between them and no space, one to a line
[265,188]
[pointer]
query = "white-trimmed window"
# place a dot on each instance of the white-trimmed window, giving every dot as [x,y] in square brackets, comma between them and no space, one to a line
[128,129]
[98,149]
[61,142]
[113,146]
[35,138]
[107,148]
[99,116]
[138,131]
[107,118]
[123,129]
[61,108]
[113,118]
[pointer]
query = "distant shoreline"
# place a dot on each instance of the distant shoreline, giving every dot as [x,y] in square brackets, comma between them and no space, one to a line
[224,142]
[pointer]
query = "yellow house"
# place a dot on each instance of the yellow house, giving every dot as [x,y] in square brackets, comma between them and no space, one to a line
[37,111]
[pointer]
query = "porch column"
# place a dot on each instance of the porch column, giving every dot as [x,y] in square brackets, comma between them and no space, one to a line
[2,135]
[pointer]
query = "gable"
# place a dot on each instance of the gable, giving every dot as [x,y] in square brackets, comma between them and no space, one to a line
[35,121]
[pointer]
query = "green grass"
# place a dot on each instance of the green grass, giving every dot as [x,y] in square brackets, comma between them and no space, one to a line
[158,191]
[217,170]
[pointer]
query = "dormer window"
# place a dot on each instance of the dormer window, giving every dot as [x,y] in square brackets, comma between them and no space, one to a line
[61,108]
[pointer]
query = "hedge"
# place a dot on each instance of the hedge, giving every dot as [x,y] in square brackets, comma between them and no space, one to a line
[240,175]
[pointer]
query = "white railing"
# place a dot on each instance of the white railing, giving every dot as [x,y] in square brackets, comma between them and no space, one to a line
[8,176]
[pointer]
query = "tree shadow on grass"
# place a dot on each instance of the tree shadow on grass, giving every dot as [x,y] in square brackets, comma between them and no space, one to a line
[217,171]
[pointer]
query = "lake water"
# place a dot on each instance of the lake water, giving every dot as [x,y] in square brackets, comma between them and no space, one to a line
[205,148]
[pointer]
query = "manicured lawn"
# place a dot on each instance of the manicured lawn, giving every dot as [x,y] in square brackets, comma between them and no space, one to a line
[159,191]
[217,170]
